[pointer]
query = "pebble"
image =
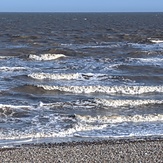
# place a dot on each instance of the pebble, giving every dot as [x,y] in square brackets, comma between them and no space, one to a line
[87,152]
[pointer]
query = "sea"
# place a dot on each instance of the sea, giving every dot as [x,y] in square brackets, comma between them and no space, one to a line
[69,76]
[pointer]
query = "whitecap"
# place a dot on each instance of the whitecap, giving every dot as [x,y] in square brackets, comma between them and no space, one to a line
[4,68]
[41,76]
[131,103]
[131,90]
[71,76]
[46,57]
[4,106]
[5,57]
[120,118]
[98,103]
[157,41]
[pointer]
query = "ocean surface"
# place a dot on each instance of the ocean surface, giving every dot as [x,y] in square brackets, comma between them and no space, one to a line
[80,75]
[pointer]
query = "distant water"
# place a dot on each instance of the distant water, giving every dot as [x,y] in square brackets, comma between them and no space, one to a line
[80,75]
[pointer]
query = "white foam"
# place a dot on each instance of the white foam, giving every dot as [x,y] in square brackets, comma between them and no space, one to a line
[89,125]
[61,76]
[64,133]
[4,68]
[118,103]
[120,118]
[4,106]
[98,103]
[83,124]
[46,57]
[5,57]
[41,130]
[150,60]
[157,41]
[41,76]
[105,89]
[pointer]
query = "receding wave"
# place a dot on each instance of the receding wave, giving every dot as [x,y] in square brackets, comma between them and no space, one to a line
[81,124]
[46,57]
[61,76]
[105,89]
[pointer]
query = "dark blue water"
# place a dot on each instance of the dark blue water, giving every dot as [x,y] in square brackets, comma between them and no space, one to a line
[80,75]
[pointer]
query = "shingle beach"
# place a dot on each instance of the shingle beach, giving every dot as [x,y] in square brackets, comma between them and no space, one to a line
[145,150]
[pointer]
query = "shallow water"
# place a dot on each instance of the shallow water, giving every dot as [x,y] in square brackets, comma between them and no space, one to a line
[80,75]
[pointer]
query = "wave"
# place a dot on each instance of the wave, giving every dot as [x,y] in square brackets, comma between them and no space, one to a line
[12,68]
[69,125]
[120,118]
[4,106]
[95,46]
[9,111]
[148,61]
[46,57]
[157,41]
[98,103]
[147,47]
[131,90]
[5,57]
[118,103]
[55,126]
[100,46]
[44,133]
[61,76]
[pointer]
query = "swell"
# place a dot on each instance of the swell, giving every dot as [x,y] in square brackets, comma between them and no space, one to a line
[29,89]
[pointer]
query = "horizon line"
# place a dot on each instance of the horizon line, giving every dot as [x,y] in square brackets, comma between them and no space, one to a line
[81,11]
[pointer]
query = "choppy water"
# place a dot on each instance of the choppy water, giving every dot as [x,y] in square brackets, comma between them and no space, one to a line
[80,75]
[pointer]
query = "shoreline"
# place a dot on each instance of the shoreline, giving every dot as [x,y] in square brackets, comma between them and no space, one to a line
[113,150]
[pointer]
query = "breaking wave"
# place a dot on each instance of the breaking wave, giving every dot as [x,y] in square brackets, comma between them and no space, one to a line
[77,76]
[55,126]
[120,119]
[157,41]
[98,103]
[131,90]
[46,57]
[59,125]
[118,103]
